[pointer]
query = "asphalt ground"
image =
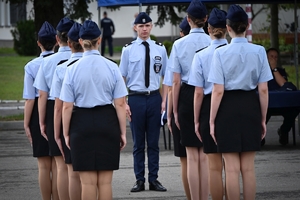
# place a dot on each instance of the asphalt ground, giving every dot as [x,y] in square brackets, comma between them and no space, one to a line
[277,167]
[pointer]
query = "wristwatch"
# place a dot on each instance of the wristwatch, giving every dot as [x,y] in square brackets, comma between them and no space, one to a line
[275,70]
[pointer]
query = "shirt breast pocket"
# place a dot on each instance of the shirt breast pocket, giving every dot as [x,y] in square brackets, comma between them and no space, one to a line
[135,63]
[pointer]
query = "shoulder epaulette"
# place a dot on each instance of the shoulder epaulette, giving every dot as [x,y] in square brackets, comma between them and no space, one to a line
[47,55]
[72,62]
[61,62]
[110,59]
[201,49]
[220,46]
[159,43]
[126,45]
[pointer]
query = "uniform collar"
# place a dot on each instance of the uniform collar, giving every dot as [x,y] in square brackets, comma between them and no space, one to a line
[77,55]
[239,40]
[91,52]
[219,41]
[46,53]
[197,30]
[139,40]
[64,48]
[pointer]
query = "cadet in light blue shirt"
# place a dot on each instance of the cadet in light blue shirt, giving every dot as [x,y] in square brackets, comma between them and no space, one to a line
[97,131]
[44,80]
[198,78]
[46,42]
[238,113]
[229,72]
[183,95]
[179,149]
[66,171]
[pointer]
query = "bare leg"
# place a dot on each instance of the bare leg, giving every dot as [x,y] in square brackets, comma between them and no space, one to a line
[248,174]
[183,161]
[62,178]
[104,185]
[44,165]
[88,184]
[215,175]
[193,172]
[74,184]
[54,180]
[232,170]
[204,186]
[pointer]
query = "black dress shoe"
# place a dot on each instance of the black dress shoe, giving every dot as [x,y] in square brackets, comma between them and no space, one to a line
[156,186]
[283,137]
[138,186]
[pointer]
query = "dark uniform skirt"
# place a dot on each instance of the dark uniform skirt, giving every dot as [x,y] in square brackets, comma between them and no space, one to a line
[66,150]
[179,149]
[238,122]
[186,117]
[209,145]
[53,147]
[95,138]
[40,145]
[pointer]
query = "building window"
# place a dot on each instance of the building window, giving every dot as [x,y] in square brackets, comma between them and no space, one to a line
[10,14]
[17,13]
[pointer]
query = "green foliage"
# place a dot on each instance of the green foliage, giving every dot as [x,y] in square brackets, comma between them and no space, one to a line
[7,52]
[24,38]
[153,37]
[291,71]
[169,13]
[79,10]
[11,76]
[168,44]
[12,117]
[282,46]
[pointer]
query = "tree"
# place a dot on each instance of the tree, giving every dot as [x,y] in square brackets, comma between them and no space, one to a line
[274,36]
[169,13]
[53,10]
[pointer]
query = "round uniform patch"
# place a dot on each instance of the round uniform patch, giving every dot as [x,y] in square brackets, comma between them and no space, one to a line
[157,64]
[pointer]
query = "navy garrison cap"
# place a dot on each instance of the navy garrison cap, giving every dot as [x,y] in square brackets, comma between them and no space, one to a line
[217,18]
[236,14]
[73,33]
[197,9]
[89,30]
[64,25]
[142,18]
[47,32]
[184,25]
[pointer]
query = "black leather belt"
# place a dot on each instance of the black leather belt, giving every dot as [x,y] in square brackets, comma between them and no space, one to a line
[131,92]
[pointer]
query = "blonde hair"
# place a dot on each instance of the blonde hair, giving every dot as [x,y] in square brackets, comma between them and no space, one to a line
[89,44]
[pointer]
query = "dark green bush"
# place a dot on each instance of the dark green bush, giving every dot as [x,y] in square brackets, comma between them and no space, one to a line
[24,38]
[168,44]
[153,37]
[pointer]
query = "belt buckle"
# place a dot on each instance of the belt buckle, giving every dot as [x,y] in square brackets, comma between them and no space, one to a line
[148,93]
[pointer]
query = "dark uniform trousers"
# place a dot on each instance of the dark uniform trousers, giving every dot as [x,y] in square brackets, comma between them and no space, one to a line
[145,126]
[289,115]
[109,40]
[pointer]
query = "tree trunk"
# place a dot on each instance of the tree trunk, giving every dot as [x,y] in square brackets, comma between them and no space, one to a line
[50,11]
[274,26]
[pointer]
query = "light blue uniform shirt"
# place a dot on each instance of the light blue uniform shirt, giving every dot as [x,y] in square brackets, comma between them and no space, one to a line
[201,66]
[31,70]
[92,81]
[44,77]
[240,65]
[59,74]
[185,49]
[132,65]
[168,79]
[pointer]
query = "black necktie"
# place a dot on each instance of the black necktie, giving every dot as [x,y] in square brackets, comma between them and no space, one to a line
[147,63]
